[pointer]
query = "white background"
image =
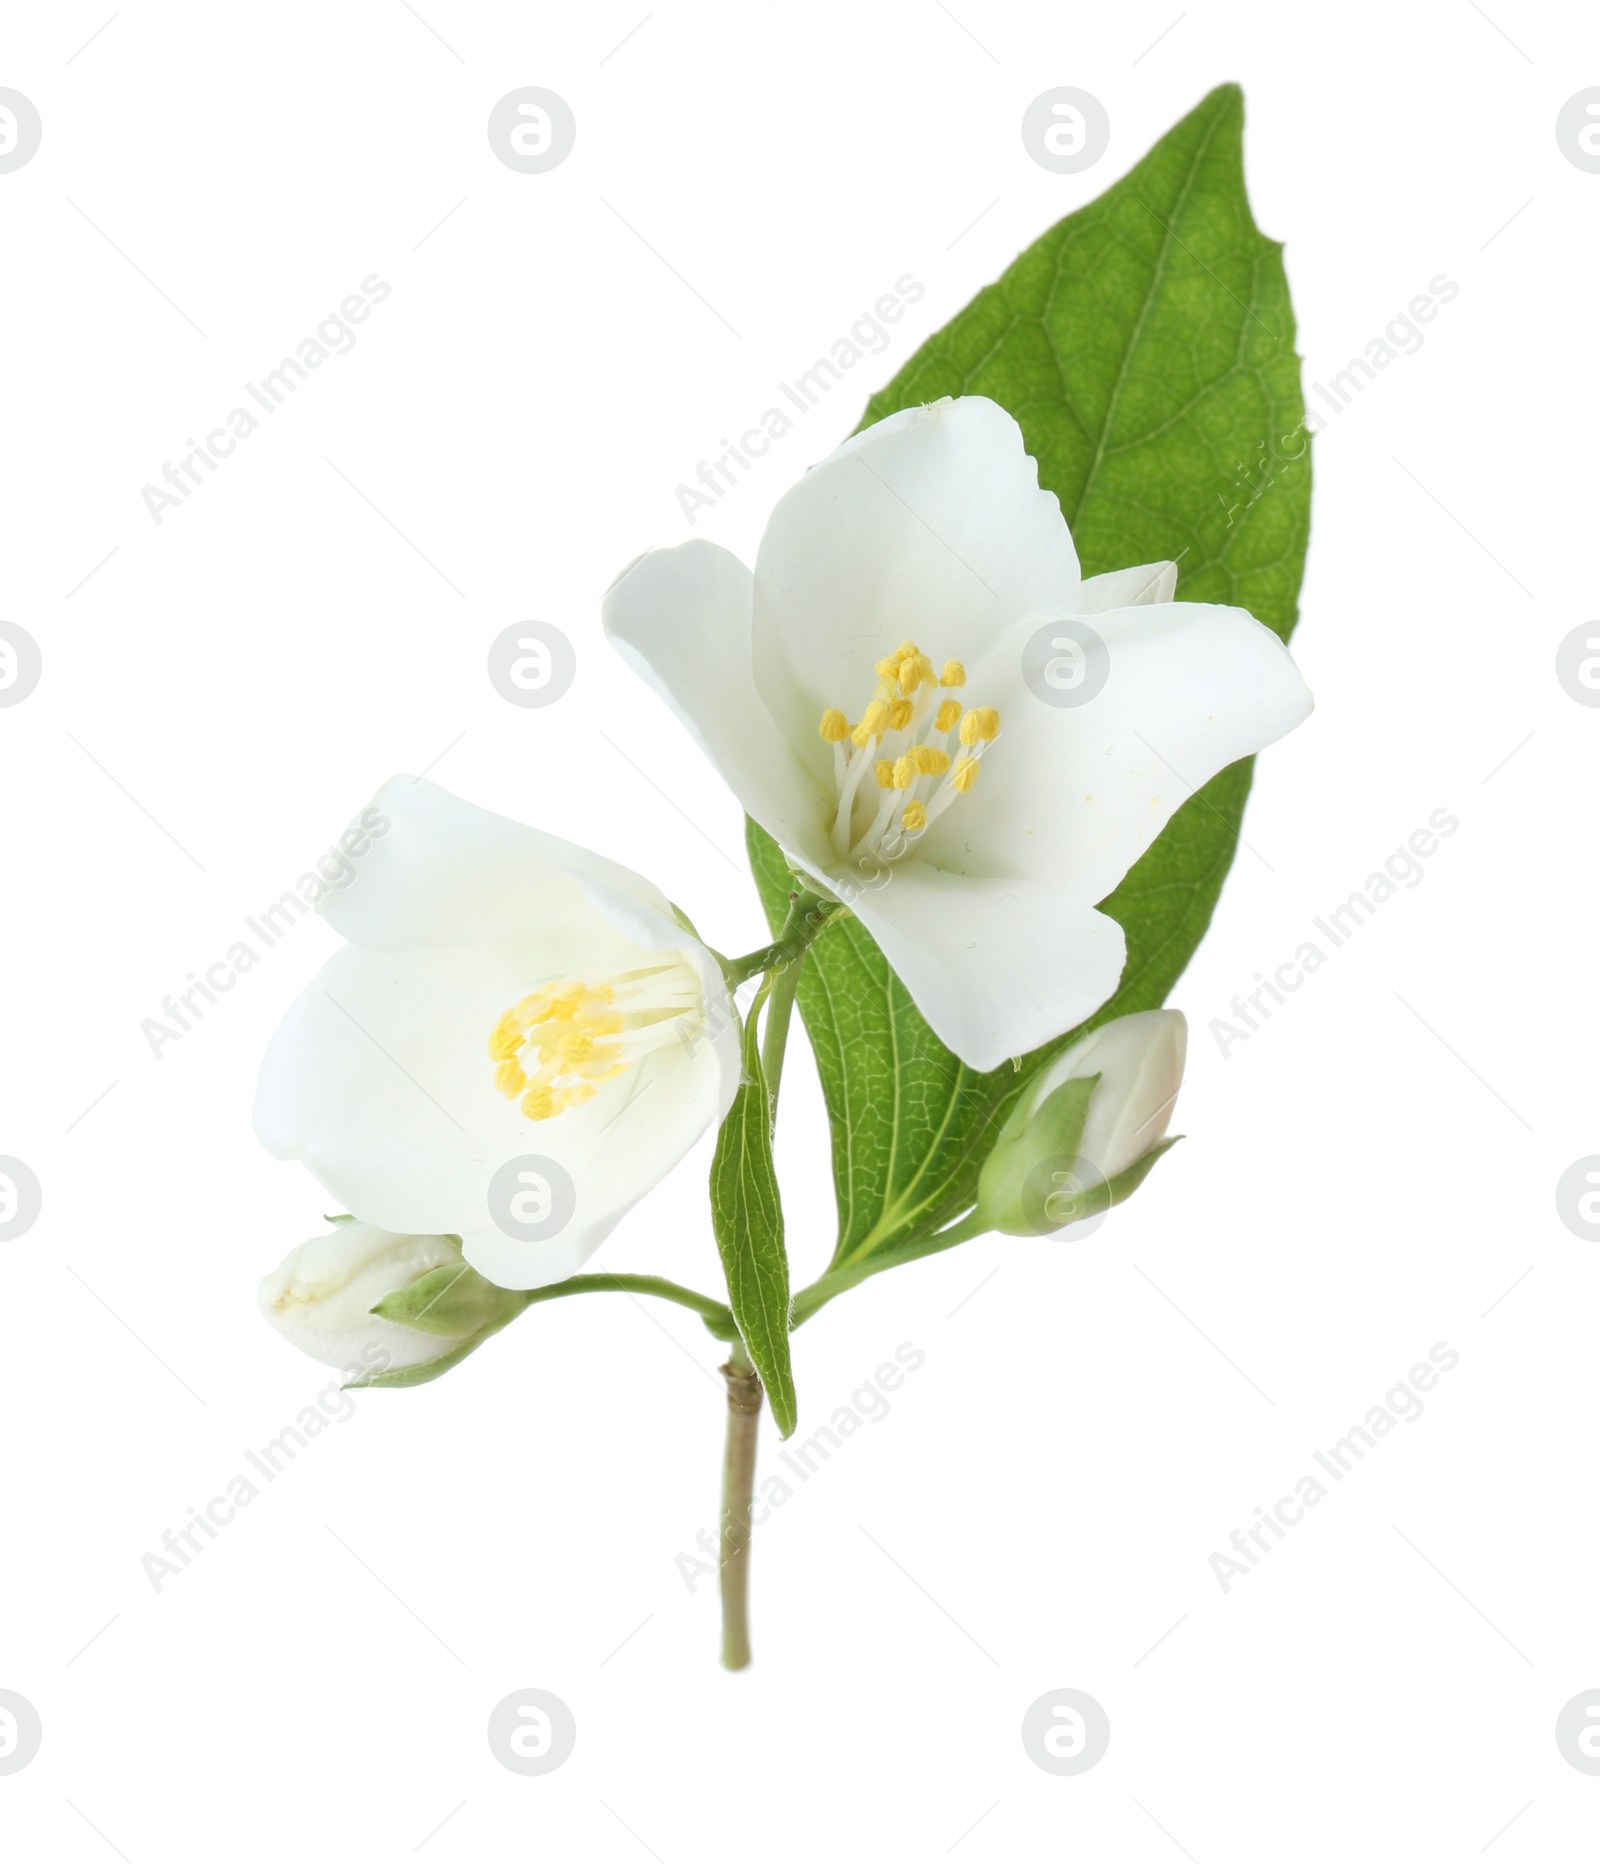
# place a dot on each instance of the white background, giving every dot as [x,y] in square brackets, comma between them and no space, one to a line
[1360,1179]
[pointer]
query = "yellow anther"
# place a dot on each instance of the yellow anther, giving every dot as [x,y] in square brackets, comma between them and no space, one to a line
[914,670]
[954,674]
[949,711]
[900,711]
[542,1008]
[913,817]
[964,775]
[551,1052]
[981,723]
[903,773]
[506,1038]
[873,721]
[835,727]
[884,771]
[927,762]
[889,666]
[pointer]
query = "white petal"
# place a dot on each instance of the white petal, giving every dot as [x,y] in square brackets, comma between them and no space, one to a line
[322,1294]
[1150,582]
[439,872]
[681,619]
[929,526]
[1139,1060]
[379,1081]
[1079,792]
[512,1264]
[995,966]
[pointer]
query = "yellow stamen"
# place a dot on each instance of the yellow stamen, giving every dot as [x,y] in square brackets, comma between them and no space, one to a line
[918,701]
[873,721]
[506,1038]
[549,1050]
[889,667]
[914,670]
[835,727]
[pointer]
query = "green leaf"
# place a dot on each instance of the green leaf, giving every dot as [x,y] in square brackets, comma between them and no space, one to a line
[1146,347]
[747,1217]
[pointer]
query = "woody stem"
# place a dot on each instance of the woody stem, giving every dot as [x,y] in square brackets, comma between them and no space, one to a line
[738,1485]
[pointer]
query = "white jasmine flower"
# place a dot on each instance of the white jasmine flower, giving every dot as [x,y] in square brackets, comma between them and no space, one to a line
[863,693]
[504,995]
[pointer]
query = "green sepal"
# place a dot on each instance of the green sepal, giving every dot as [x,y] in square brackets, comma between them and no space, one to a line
[1031,1138]
[421,1375]
[451,1299]
[1103,1193]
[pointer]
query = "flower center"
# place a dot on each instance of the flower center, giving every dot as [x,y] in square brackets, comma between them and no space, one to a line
[921,748]
[554,1048]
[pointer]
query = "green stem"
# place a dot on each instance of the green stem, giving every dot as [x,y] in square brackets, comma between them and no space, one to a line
[836,1281]
[778,965]
[716,1314]
[809,914]
[775,1037]
[738,1485]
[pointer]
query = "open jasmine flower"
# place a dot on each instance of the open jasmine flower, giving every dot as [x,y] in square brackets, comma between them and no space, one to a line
[864,696]
[504,995]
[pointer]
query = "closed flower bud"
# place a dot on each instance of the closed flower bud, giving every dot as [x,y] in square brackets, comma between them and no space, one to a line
[1088,1129]
[398,1309]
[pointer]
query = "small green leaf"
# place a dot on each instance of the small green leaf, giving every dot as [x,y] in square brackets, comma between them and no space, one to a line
[1146,347]
[747,1216]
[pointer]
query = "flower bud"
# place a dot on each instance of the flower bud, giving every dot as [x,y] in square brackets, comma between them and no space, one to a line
[1088,1128]
[390,1310]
